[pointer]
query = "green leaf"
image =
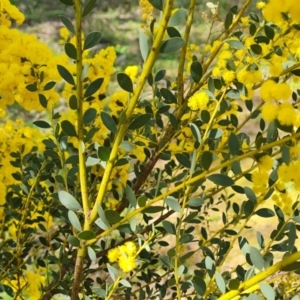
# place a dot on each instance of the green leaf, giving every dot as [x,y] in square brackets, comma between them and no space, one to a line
[109,122]
[228,20]
[221,179]
[65,74]
[199,285]
[171,45]
[195,202]
[256,258]
[68,128]
[89,6]
[74,241]
[292,236]
[215,133]
[87,235]
[127,146]
[220,282]
[89,116]
[67,2]
[296,72]
[92,40]
[73,102]
[233,144]
[235,44]
[112,216]
[130,195]
[92,254]
[31,87]
[267,291]
[43,100]
[165,260]
[153,209]
[159,75]
[49,85]
[269,31]
[173,204]
[206,160]
[103,153]
[173,32]
[234,284]
[169,227]
[125,82]
[125,283]
[69,201]
[158,4]
[196,132]
[93,87]
[196,71]
[265,213]
[74,220]
[168,95]
[144,47]
[67,23]
[257,49]
[178,18]
[113,272]
[142,200]
[101,224]
[139,121]
[42,124]
[183,160]
[71,50]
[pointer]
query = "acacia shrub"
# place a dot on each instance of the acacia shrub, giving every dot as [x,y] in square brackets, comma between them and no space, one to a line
[87,211]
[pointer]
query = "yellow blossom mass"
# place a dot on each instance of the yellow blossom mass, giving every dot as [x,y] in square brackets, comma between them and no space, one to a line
[198,101]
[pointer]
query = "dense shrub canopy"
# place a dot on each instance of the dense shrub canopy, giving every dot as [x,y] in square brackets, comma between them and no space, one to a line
[152,183]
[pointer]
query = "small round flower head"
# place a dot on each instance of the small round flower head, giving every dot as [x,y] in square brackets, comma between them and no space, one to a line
[198,101]
[113,254]
[127,263]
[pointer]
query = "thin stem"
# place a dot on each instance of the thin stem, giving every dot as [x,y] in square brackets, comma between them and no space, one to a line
[189,22]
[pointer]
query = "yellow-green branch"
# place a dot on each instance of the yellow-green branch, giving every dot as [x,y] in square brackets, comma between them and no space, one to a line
[80,126]
[132,104]
[261,276]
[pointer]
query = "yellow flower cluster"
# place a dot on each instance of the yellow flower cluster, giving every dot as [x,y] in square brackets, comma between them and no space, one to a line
[284,112]
[198,101]
[260,177]
[124,255]
[29,283]
[274,8]
[9,12]
[30,63]
[147,12]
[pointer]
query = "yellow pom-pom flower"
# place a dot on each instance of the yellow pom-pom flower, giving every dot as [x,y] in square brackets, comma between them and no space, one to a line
[198,101]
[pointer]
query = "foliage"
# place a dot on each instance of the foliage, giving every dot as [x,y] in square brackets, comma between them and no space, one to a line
[109,196]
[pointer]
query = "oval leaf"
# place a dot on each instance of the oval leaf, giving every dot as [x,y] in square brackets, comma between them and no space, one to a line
[221,179]
[74,220]
[171,45]
[87,235]
[65,74]
[71,50]
[125,82]
[92,40]
[89,115]
[93,87]
[112,216]
[109,122]
[68,128]
[196,71]
[42,124]
[139,121]
[69,201]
